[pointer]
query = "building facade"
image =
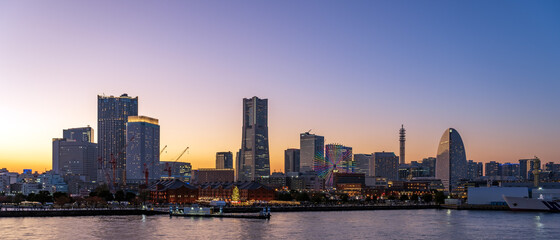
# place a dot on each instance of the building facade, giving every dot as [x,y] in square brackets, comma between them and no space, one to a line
[211,175]
[176,170]
[253,157]
[291,160]
[492,169]
[429,164]
[386,165]
[311,149]
[362,162]
[112,115]
[526,167]
[224,160]
[474,169]
[142,149]
[76,154]
[451,161]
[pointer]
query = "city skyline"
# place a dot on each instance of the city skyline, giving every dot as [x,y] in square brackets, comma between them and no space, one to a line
[352,79]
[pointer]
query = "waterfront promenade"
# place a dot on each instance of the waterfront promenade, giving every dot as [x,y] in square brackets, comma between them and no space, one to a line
[54,212]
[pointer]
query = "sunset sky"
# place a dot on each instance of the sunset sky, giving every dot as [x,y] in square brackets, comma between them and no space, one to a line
[350,71]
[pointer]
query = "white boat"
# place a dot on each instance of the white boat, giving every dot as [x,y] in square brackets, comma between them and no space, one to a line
[531,204]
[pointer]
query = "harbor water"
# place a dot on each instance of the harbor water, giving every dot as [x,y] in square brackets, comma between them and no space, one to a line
[377,224]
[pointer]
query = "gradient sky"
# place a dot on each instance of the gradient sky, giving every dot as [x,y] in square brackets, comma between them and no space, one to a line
[351,71]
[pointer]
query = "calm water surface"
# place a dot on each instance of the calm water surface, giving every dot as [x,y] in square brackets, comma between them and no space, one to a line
[380,224]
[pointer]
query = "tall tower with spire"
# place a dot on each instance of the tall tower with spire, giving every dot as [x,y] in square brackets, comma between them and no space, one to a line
[402,140]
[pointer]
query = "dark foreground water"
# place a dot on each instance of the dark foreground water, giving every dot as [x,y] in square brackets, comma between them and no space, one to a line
[380,224]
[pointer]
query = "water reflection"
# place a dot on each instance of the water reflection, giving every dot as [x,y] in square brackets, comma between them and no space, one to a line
[381,224]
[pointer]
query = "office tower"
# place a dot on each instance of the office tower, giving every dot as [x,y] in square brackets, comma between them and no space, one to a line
[75,154]
[385,164]
[254,159]
[142,149]
[362,162]
[84,134]
[429,164]
[474,169]
[291,160]
[112,115]
[402,139]
[492,168]
[224,160]
[311,151]
[451,161]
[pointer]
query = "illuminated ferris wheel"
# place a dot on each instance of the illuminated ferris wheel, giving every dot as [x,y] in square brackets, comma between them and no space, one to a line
[337,158]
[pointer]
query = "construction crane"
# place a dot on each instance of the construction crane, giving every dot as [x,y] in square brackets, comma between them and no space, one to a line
[308,131]
[168,168]
[105,173]
[162,149]
[113,163]
[146,173]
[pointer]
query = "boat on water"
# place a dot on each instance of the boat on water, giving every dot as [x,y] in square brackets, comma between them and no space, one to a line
[531,204]
[196,211]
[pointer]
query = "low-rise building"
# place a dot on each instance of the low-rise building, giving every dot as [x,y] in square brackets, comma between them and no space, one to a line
[172,191]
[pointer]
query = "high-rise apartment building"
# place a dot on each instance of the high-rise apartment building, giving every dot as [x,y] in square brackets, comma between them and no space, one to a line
[224,160]
[291,160]
[492,169]
[510,169]
[385,164]
[474,169]
[451,161]
[311,151]
[75,154]
[253,157]
[142,149]
[112,116]
[526,167]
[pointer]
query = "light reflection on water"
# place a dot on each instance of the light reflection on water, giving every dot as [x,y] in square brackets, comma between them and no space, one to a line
[381,224]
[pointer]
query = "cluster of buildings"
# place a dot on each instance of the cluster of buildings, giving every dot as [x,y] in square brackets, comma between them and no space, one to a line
[127,156]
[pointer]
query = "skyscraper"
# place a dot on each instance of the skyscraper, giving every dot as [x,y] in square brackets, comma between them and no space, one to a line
[385,164]
[451,161]
[291,160]
[253,159]
[311,149]
[224,160]
[75,154]
[84,134]
[112,115]
[402,139]
[142,149]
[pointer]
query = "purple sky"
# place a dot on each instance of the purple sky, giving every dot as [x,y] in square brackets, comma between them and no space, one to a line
[351,71]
